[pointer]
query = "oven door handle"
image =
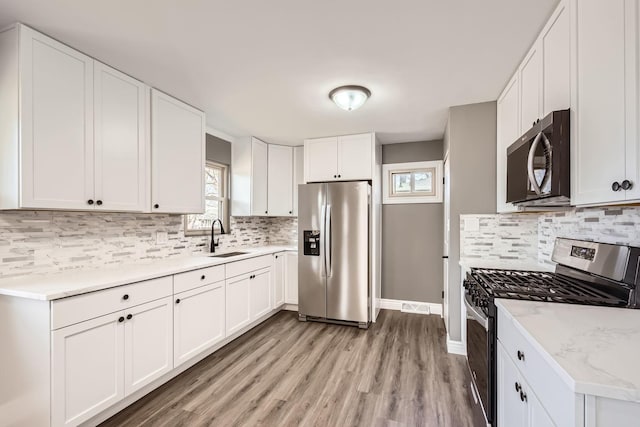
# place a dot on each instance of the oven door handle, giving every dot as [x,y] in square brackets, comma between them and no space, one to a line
[476,315]
[530,166]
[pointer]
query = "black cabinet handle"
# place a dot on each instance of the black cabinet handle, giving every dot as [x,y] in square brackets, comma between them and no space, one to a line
[129,316]
[89,202]
[99,203]
[156,206]
[202,277]
[125,297]
[266,211]
[178,301]
[121,319]
[520,355]
[290,212]
[626,185]
[518,388]
[523,396]
[616,186]
[339,176]
[276,256]
[335,176]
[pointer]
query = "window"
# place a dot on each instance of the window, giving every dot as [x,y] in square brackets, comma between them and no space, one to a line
[415,182]
[216,203]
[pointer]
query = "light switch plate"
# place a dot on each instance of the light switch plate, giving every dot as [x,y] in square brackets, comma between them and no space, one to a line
[162,237]
[471,224]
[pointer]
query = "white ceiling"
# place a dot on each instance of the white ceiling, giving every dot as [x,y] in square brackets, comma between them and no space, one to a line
[265,68]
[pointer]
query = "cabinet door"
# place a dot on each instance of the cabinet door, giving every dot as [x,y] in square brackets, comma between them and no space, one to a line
[280,180]
[511,409]
[530,88]
[87,369]
[279,279]
[537,416]
[260,293]
[259,178]
[56,124]
[632,97]
[298,175]
[177,155]
[556,66]
[321,159]
[355,154]
[237,303]
[198,316]
[148,349]
[598,132]
[291,280]
[508,130]
[120,141]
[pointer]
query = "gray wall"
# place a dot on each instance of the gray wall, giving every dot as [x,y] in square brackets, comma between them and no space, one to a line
[218,150]
[412,235]
[470,139]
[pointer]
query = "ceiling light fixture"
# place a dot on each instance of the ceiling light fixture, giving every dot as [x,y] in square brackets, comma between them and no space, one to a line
[350,97]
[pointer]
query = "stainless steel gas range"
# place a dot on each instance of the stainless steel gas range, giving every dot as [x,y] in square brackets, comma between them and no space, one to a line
[586,273]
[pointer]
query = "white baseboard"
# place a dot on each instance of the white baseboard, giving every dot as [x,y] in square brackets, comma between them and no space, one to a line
[290,307]
[456,347]
[396,304]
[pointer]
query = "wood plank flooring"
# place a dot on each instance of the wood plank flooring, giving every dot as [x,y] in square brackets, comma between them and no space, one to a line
[290,373]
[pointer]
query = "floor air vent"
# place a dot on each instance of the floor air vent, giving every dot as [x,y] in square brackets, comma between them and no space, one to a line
[415,308]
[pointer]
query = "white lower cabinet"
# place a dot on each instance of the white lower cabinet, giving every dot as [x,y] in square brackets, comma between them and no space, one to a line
[237,303]
[87,368]
[148,343]
[279,279]
[198,320]
[291,279]
[517,405]
[260,293]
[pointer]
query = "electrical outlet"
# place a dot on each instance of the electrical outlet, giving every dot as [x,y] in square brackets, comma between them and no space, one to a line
[162,237]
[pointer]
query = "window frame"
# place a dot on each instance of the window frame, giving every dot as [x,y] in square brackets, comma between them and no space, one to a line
[224,199]
[389,194]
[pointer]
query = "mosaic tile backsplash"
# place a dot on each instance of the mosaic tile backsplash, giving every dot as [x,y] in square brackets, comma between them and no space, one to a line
[532,236]
[500,237]
[43,241]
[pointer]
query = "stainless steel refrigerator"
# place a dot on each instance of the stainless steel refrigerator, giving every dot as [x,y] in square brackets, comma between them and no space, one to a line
[334,233]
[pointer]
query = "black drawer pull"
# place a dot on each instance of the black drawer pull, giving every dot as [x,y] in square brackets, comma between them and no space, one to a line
[202,277]
[121,319]
[518,387]
[125,297]
[523,396]
[520,355]
[178,301]
[129,316]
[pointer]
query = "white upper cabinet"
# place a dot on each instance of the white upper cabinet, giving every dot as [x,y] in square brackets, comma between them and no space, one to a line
[121,140]
[355,155]
[56,124]
[321,159]
[342,158]
[530,88]
[604,133]
[508,130]
[280,180]
[259,178]
[178,155]
[541,84]
[555,42]
[298,175]
[76,134]
[262,181]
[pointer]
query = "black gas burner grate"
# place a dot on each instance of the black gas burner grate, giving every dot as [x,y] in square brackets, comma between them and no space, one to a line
[540,286]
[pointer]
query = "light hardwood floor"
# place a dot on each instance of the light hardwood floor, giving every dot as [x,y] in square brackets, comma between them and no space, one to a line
[289,373]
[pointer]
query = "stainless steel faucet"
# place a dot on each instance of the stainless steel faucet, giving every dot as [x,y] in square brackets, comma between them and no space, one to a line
[215,244]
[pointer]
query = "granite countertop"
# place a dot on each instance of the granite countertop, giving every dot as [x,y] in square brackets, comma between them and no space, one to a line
[594,349]
[505,264]
[76,282]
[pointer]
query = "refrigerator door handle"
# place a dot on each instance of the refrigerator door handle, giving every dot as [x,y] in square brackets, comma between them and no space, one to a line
[327,247]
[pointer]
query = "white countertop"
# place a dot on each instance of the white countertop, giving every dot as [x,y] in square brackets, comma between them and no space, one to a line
[594,349]
[76,282]
[532,265]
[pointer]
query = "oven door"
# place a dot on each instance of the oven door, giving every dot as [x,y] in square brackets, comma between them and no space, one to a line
[479,347]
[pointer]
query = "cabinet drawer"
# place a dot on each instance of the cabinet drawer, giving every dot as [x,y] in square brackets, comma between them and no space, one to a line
[68,311]
[196,278]
[554,394]
[242,267]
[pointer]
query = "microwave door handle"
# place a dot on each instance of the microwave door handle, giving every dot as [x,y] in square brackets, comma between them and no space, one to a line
[548,154]
[530,171]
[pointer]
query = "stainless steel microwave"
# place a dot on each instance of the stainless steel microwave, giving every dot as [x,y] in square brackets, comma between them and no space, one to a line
[538,164]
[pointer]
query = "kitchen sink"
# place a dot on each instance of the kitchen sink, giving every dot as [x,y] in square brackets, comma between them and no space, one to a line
[228,254]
